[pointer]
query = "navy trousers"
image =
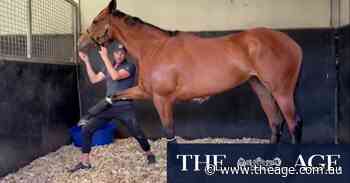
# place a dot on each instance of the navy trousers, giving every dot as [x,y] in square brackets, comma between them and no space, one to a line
[123,113]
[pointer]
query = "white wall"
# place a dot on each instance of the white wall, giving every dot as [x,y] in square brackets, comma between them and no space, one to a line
[344,12]
[195,15]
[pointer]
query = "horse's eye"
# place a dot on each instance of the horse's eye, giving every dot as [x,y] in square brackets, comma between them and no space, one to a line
[94,22]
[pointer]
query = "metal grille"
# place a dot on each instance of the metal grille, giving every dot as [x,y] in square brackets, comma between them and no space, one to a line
[52,29]
[38,30]
[13,27]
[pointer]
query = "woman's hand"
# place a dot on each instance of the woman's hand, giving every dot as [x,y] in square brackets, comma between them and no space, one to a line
[83,57]
[103,53]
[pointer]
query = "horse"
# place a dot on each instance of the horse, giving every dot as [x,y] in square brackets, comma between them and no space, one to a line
[180,66]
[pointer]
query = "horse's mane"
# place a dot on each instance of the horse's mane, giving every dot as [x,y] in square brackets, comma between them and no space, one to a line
[131,21]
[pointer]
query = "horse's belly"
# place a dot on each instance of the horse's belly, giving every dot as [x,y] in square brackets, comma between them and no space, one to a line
[212,82]
[208,68]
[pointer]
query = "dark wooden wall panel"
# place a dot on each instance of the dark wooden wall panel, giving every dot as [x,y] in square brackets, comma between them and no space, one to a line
[38,103]
[344,85]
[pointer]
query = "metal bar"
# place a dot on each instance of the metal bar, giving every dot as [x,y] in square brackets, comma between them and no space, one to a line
[339,13]
[75,28]
[335,13]
[36,60]
[79,16]
[72,2]
[29,29]
[331,13]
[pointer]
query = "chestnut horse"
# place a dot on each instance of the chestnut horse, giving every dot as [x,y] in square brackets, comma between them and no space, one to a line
[179,66]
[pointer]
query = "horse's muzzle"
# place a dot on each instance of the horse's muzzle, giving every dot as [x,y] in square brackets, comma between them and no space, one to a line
[83,45]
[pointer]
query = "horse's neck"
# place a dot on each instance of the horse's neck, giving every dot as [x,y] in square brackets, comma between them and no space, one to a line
[141,42]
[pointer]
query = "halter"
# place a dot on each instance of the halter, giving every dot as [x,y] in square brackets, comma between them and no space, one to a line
[105,36]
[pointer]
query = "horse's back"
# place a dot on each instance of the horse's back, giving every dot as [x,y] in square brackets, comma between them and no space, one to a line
[198,63]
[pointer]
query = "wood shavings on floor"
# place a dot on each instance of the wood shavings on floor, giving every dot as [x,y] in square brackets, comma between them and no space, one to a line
[120,162]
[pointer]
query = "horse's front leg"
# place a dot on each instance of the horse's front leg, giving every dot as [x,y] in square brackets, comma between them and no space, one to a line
[164,106]
[134,93]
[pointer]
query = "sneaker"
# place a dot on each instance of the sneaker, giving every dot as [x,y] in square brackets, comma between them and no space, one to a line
[83,122]
[151,159]
[80,166]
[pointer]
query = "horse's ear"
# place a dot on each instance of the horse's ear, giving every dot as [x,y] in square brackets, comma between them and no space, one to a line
[112,6]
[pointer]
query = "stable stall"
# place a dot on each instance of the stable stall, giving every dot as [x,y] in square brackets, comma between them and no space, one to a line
[44,90]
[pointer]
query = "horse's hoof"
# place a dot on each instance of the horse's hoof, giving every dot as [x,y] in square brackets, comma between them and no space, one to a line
[172,141]
[275,139]
[277,133]
[151,159]
[298,132]
[296,138]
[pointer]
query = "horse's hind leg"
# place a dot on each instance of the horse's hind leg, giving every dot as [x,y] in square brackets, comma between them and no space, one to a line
[270,108]
[287,106]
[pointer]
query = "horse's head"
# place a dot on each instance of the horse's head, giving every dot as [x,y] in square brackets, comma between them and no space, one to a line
[112,24]
[99,32]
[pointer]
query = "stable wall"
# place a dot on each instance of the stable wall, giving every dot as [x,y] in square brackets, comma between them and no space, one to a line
[39,102]
[344,85]
[193,15]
